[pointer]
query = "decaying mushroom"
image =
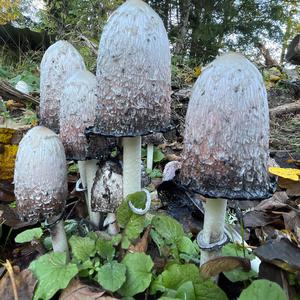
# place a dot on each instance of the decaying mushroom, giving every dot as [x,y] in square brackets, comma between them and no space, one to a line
[152,140]
[77,112]
[107,192]
[134,83]
[40,181]
[60,61]
[226,142]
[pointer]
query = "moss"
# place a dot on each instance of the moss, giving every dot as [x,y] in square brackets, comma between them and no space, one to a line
[6,135]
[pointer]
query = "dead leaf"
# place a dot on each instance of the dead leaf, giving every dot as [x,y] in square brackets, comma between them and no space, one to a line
[142,244]
[281,253]
[277,201]
[25,285]
[292,223]
[292,187]
[260,219]
[78,290]
[221,264]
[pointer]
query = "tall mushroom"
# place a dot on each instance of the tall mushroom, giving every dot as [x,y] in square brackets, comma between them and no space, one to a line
[134,83]
[41,182]
[60,61]
[77,112]
[226,142]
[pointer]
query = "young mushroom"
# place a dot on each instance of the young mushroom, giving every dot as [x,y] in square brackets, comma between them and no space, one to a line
[226,143]
[77,112]
[40,181]
[60,61]
[134,83]
[152,140]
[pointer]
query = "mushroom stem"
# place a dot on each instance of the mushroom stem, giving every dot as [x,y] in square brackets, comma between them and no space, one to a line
[90,173]
[213,227]
[59,238]
[131,165]
[150,149]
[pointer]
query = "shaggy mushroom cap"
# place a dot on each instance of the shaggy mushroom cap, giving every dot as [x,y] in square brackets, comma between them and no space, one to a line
[227,132]
[40,175]
[77,112]
[107,191]
[133,73]
[60,61]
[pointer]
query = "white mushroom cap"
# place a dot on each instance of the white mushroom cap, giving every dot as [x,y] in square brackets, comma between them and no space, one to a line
[226,143]
[60,62]
[77,112]
[40,175]
[133,73]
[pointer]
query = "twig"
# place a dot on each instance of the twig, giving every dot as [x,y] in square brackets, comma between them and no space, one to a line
[293,107]
[89,44]
[10,271]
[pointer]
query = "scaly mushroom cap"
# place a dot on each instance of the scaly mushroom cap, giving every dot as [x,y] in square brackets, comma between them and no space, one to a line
[60,61]
[133,73]
[77,112]
[107,191]
[154,139]
[227,132]
[40,175]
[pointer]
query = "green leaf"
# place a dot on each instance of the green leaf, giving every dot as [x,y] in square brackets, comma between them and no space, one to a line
[185,292]
[111,276]
[53,274]
[124,213]
[134,227]
[29,235]
[138,273]
[105,249]
[263,289]
[176,275]
[238,274]
[158,156]
[154,173]
[168,228]
[82,247]
[185,245]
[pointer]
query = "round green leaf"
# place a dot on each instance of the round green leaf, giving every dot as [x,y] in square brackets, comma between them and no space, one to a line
[138,273]
[112,275]
[263,289]
[29,235]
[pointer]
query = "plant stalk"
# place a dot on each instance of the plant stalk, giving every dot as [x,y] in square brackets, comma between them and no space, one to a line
[59,238]
[213,227]
[91,168]
[150,150]
[131,165]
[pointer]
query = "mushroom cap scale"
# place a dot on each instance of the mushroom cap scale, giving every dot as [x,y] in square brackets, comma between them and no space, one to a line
[133,73]
[59,62]
[227,132]
[77,112]
[40,175]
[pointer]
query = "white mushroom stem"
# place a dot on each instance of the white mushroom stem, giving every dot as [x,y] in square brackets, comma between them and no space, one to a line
[150,150]
[213,227]
[90,173]
[131,165]
[59,238]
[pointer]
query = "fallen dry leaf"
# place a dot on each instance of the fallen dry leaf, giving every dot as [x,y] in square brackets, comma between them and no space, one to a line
[142,245]
[277,201]
[221,264]
[25,285]
[292,187]
[77,290]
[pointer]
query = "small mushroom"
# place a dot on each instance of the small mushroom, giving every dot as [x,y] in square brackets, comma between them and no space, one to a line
[134,83]
[226,143]
[77,112]
[60,61]
[40,181]
[152,140]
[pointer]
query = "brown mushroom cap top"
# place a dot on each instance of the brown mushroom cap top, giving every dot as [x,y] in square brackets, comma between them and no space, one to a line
[227,132]
[40,175]
[77,112]
[133,73]
[60,61]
